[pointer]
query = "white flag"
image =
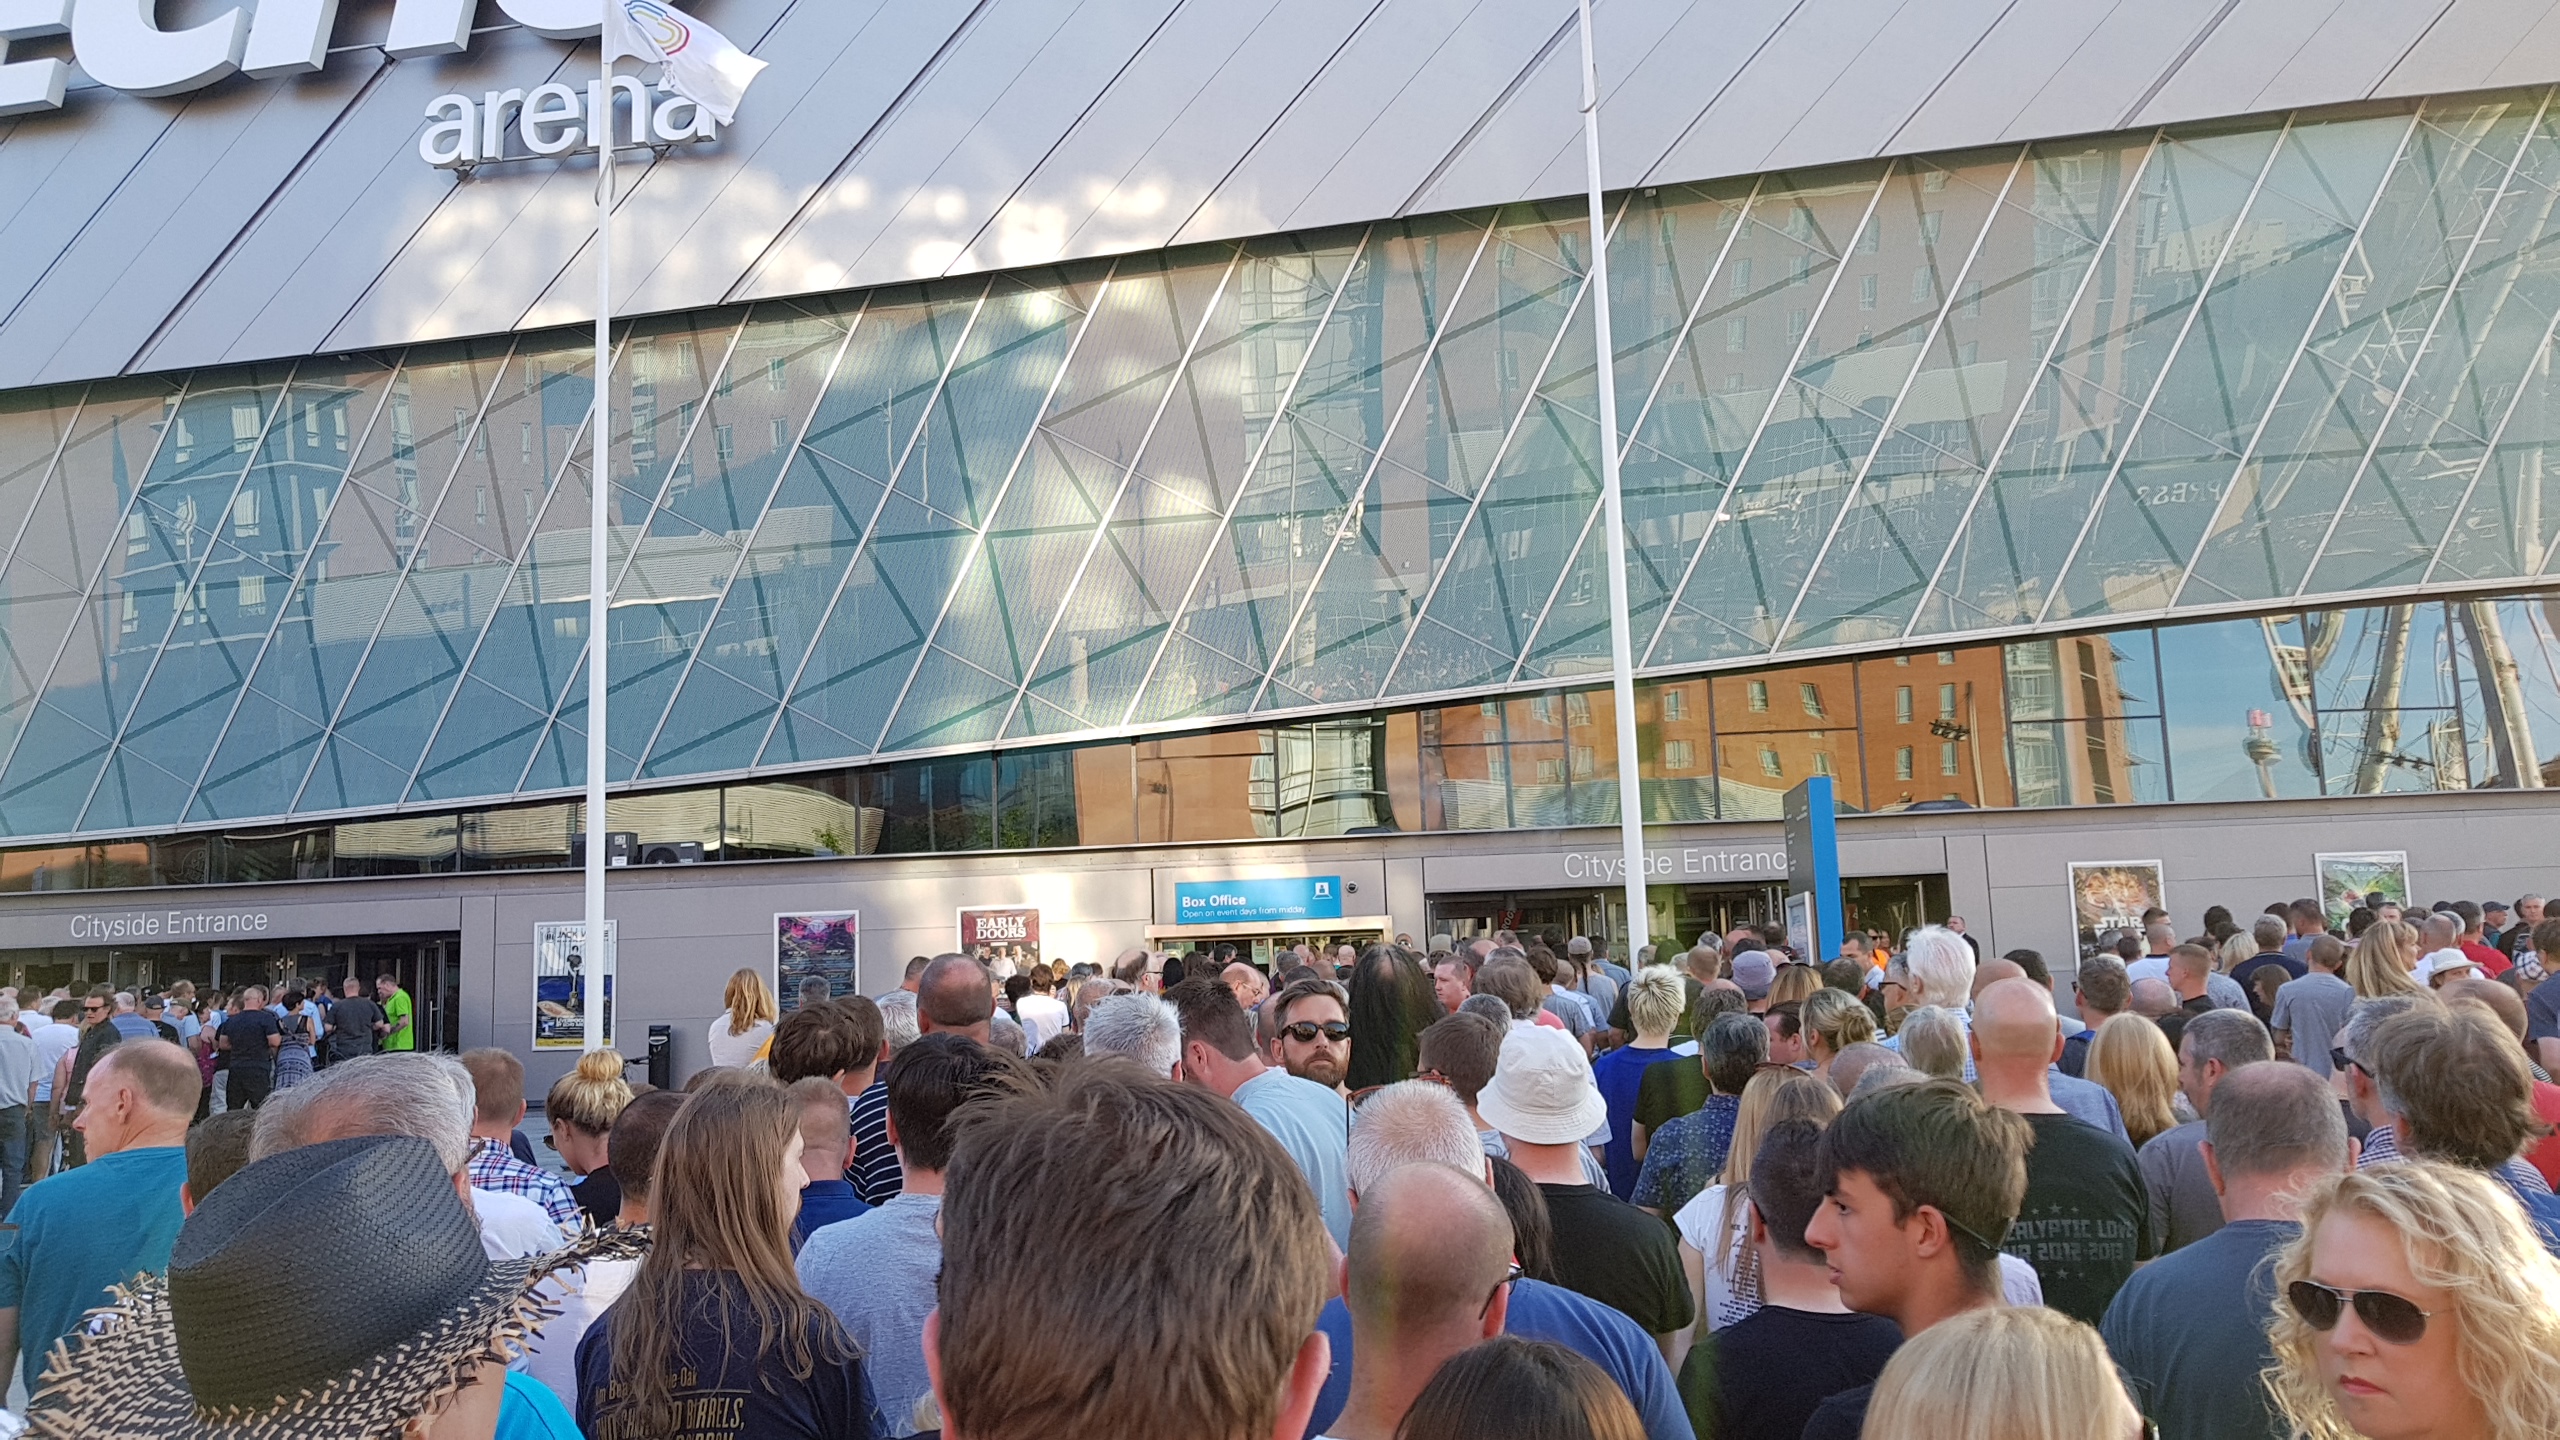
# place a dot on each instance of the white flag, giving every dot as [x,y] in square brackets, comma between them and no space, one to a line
[701,64]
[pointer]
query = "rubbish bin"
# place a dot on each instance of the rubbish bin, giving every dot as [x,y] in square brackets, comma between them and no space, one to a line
[662,1056]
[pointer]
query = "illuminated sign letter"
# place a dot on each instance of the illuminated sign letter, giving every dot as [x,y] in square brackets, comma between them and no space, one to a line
[455,137]
[549,122]
[31,85]
[289,37]
[556,19]
[429,27]
[121,45]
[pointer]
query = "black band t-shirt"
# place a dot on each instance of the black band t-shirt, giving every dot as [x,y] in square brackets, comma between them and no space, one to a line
[2086,1219]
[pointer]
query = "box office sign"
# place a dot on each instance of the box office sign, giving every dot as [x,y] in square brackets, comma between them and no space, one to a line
[1254,902]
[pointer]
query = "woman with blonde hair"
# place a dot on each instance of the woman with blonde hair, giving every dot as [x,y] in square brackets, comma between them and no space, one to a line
[1834,1020]
[1715,1226]
[2132,1059]
[2417,1304]
[2242,946]
[1796,982]
[2382,961]
[2006,1373]
[739,1035]
[581,1108]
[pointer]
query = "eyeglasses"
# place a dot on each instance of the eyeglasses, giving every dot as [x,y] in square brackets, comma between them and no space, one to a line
[2340,1060]
[2391,1318]
[1487,1307]
[1306,1031]
[550,1142]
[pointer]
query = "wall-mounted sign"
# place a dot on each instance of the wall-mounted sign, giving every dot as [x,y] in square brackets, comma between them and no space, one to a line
[167,924]
[560,959]
[1254,902]
[826,946]
[552,120]
[1007,938]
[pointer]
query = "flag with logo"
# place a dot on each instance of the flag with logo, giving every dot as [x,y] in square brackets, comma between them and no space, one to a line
[701,64]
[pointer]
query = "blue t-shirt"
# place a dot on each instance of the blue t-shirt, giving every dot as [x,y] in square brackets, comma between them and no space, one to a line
[529,1411]
[1621,1074]
[824,1202]
[2189,1331]
[1540,1311]
[725,1383]
[82,1231]
[1313,1124]
[1686,1155]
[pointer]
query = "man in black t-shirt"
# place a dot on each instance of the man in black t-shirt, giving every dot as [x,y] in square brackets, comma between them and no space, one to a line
[351,1023]
[1919,1184]
[1764,1376]
[251,1038]
[2086,1220]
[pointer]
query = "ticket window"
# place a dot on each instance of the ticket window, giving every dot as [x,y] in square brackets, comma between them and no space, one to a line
[1262,947]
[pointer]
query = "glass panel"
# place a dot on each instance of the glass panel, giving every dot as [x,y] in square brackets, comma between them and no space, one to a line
[2360,345]
[275,523]
[2103,762]
[813,815]
[531,837]
[826,504]
[261,856]
[2271,287]
[1036,800]
[933,805]
[419,845]
[2518,699]
[2238,703]
[1197,787]
[2117,330]
[29,871]
[2082,677]
[1106,795]
[1933,728]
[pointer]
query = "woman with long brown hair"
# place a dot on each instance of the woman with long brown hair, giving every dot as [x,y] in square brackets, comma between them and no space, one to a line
[2132,1059]
[716,1320]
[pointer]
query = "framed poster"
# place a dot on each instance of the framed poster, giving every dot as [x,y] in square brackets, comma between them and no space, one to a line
[2111,895]
[2366,877]
[559,995]
[1007,939]
[825,946]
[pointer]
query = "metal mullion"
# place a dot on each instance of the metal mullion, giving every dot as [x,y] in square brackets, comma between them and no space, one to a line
[1670,361]
[2168,365]
[532,538]
[2489,452]
[1244,477]
[1368,475]
[1893,412]
[2418,356]
[862,544]
[657,502]
[2275,398]
[737,567]
[995,506]
[1492,476]
[408,563]
[1128,473]
[89,593]
[1751,448]
[187,592]
[2053,348]
[301,572]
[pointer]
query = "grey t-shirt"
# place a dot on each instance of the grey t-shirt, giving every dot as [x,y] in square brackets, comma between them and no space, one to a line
[2189,1332]
[2184,1208]
[2313,1009]
[876,1271]
[1313,1124]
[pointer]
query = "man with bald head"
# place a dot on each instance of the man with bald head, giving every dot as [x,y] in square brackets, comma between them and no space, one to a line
[2158,939]
[1248,984]
[2086,1221]
[1428,1275]
[957,994]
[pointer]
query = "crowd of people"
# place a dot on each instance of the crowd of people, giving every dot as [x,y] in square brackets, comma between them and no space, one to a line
[2264,1181]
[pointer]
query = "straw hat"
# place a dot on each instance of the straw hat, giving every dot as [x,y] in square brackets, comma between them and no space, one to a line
[252,1334]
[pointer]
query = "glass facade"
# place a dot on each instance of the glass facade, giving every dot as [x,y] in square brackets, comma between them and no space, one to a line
[1223,508]
[2419,695]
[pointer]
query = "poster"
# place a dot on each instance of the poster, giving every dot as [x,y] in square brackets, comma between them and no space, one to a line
[1007,939]
[559,960]
[2111,895]
[824,945]
[2366,877]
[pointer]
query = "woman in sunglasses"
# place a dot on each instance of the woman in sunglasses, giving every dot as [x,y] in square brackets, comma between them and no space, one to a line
[2418,1304]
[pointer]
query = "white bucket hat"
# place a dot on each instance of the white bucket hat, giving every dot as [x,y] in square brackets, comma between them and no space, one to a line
[1542,1091]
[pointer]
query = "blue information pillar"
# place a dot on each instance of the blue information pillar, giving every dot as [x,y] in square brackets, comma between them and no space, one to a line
[1814,923]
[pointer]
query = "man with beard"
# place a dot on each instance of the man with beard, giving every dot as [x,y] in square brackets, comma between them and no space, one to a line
[1312,1033]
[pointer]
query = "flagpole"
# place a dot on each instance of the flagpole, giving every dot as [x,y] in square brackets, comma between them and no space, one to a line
[597,955]
[1622,684]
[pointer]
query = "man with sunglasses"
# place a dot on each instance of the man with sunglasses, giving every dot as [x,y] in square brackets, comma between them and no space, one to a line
[1311,1032]
[2189,1330]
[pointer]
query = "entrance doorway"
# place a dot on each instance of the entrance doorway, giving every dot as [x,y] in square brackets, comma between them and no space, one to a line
[428,966]
[1893,904]
[1261,948]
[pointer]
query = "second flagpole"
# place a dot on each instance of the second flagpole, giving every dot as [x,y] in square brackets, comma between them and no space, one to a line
[596,953]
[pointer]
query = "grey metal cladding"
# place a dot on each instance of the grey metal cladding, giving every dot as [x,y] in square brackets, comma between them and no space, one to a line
[1886,80]
[58,177]
[2479,43]
[1155,145]
[1993,84]
[2270,54]
[695,226]
[1751,117]
[967,137]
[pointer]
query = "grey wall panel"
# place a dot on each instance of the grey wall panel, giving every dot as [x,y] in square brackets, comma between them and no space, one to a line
[2475,43]
[2099,83]
[1983,95]
[946,160]
[2269,54]
[1152,148]
[1399,43]
[167,224]
[1767,101]
[1888,79]
[55,173]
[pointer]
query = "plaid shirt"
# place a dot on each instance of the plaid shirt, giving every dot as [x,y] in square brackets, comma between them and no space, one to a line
[494,1167]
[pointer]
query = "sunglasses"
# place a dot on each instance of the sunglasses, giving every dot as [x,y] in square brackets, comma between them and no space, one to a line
[1306,1031]
[2340,1060]
[2391,1319]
